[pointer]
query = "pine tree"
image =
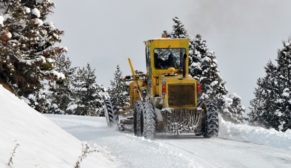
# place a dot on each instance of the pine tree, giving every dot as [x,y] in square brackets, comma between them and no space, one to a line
[232,109]
[41,100]
[178,29]
[28,45]
[54,96]
[271,106]
[264,105]
[283,110]
[118,91]
[61,90]
[86,100]
[203,67]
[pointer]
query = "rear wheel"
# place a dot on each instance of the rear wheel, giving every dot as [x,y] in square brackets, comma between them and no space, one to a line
[149,122]
[137,118]
[211,122]
[109,113]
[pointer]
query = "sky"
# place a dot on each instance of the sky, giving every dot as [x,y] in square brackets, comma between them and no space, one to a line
[244,34]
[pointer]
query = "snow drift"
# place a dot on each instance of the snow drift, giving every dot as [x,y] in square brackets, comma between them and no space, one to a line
[28,139]
[257,135]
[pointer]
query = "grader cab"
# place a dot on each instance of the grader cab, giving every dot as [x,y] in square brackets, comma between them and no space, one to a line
[166,99]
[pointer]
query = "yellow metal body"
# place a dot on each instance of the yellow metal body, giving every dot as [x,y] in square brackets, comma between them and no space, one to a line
[166,43]
[177,80]
[169,77]
[131,68]
[135,86]
[134,92]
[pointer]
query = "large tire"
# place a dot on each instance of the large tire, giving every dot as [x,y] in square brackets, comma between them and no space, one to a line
[211,122]
[110,115]
[138,118]
[149,122]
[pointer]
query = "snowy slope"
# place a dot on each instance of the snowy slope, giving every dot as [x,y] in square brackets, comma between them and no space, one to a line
[257,135]
[28,139]
[239,146]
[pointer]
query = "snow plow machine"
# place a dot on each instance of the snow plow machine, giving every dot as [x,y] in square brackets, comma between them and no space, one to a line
[165,100]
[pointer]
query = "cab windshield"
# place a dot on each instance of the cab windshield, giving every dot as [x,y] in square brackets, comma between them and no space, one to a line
[169,57]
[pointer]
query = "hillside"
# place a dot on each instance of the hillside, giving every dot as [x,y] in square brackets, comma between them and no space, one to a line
[28,139]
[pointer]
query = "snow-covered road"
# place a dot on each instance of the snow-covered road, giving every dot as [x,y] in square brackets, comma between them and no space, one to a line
[130,151]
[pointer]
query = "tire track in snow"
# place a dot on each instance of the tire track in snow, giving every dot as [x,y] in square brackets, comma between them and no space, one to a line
[172,151]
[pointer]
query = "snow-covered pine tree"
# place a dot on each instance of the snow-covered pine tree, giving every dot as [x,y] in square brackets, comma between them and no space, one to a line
[27,44]
[271,106]
[203,67]
[86,100]
[283,110]
[76,91]
[61,90]
[118,91]
[54,96]
[232,109]
[263,105]
[179,30]
[41,100]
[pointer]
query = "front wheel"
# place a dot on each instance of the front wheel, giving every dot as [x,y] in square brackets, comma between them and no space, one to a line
[109,113]
[138,118]
[149,122]
[211,122]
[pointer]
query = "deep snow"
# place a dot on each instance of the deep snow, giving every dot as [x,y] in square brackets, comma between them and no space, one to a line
[256,135]
[28,139]
[238,146]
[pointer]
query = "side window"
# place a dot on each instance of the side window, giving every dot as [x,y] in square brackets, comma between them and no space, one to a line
[149,70]
[147,56]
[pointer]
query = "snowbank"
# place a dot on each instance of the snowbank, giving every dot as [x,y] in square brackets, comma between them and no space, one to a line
[28,139]
[257,135]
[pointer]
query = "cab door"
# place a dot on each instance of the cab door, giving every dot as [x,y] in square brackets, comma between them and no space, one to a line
[149,70]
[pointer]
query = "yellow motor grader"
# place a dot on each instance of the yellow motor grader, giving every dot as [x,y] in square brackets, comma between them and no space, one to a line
[166,98]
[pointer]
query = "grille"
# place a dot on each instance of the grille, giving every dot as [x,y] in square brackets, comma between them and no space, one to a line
[181,95]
